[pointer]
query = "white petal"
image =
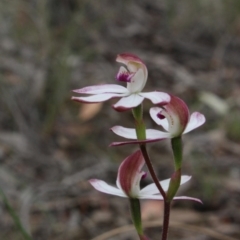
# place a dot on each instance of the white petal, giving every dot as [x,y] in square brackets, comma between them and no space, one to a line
[187,198]
[196,120]
[138,82]
[128,102]
[156,134]
[159,197]
[129,133]
[185,178]
[96,98]
[152,188]
[103,88]
[156,97]
[102,186]
[162,122]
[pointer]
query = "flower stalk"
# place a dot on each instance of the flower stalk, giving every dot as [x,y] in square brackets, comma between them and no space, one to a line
[139,123]
[166,217]
[141,135]
[136,215]
[151,170]
[177,148]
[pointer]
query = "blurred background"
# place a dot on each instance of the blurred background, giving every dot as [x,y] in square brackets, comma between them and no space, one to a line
[50,146]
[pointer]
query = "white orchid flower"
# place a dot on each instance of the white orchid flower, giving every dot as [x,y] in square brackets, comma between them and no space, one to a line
[128,181]
[135,74]
[173,117]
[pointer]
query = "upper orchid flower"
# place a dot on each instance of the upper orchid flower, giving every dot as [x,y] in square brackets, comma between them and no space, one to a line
[174,117]
[135,75]
[128,181]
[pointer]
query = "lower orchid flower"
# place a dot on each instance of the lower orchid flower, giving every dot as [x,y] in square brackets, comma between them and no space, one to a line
[128,181]
[174,117]
[135,75]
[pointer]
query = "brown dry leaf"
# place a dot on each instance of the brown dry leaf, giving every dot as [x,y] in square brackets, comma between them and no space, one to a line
[88,111]
[152,210]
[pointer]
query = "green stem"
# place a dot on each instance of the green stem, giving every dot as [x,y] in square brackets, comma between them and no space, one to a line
[139,123]
[177,152]
[136,214]
[138,112]
[14,216]
[136,217]
[176,177]
[140,130]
